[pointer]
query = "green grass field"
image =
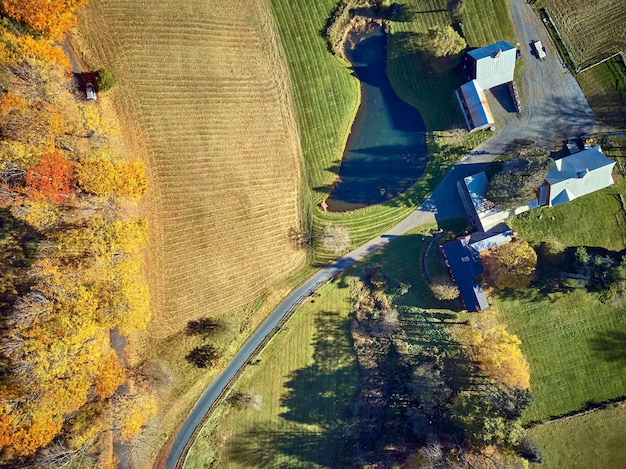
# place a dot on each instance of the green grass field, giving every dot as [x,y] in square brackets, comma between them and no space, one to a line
[566,339]
[306,378]
[605,88]
[562,334]
[593,441]
[305,381]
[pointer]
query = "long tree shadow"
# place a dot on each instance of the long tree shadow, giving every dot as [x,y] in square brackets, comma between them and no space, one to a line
[329,418]
[318,396]
[610,345]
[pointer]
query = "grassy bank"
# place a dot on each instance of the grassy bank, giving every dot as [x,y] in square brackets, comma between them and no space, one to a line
[593,441]
[605,88]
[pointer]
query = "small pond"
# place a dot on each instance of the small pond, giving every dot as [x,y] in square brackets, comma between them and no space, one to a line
[386,151]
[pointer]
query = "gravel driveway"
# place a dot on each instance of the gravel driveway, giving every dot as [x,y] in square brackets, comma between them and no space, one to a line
[553,109]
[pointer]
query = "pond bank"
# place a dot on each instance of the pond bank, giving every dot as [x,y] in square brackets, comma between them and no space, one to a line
[386,151]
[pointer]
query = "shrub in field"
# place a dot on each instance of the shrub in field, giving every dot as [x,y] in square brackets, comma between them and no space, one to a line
[335,239]
[105,80]
[444,290]
[204,356]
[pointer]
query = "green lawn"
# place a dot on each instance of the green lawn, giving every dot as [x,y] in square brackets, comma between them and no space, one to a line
[593,220]
[605,87]
[486,22]
[305,381]
[568,339]
[593,441]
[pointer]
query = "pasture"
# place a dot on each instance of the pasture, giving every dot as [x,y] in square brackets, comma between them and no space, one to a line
[593,441]
[591,30]
[567,340]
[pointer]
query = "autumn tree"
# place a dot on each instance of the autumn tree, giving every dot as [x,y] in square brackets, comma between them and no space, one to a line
[494,351]
[51,18]
[510,265]
[103,177]
[51,179]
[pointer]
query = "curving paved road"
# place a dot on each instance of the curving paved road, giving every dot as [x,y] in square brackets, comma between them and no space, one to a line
[217,387]
[555,109]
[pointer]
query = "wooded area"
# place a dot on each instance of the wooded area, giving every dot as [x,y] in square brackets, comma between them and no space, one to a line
[71,257]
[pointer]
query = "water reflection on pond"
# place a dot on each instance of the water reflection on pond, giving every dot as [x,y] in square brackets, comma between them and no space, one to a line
[386,151]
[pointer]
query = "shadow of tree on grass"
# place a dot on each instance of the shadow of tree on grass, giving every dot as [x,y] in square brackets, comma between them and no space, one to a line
[610,345]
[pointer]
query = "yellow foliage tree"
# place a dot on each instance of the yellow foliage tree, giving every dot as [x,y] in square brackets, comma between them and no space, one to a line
[133,411]
[110,376]
[103,177]
[52,18]
[510,265]
[495,352]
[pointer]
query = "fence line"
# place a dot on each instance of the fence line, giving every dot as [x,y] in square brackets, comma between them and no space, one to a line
[577,67]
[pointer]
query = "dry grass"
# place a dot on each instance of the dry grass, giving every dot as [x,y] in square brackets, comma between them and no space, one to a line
[203,95]
[592,30]
[205,85]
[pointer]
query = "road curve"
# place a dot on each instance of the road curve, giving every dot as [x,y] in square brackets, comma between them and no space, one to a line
[555,109]
[217,387]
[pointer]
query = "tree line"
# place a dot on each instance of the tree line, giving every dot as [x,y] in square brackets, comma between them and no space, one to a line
[71,257]
[434,390]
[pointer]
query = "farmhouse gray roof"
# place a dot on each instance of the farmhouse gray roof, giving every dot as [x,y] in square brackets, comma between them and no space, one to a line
[579,174]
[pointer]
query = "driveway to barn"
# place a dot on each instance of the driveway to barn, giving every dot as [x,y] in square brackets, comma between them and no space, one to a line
[554,109]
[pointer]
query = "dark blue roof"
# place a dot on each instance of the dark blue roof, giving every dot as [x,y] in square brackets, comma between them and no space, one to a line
[465,266]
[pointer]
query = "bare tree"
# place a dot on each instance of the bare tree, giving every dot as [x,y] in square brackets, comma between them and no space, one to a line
[335,239]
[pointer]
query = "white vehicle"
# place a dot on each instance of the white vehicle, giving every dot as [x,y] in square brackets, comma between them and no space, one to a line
[541,51]
[90,91]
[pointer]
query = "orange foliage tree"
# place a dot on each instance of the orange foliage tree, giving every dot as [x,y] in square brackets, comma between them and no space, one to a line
[51,178]
[50,17]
